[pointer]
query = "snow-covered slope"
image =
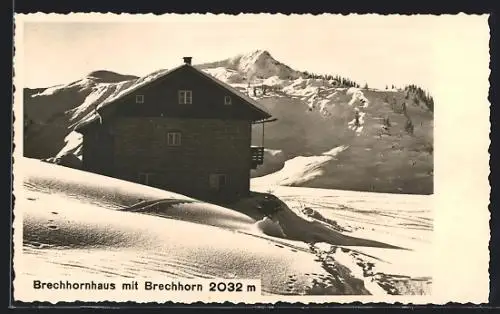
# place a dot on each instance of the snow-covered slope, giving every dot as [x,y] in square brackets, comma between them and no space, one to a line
[382,154]
[315,115]
[81,224]
[299,169]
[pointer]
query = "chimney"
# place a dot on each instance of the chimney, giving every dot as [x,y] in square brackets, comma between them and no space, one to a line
[187,60]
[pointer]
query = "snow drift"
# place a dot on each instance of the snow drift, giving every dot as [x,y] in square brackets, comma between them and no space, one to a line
[405,221]
[90,225]
[82,224]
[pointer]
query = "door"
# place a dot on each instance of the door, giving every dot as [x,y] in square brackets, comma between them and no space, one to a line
[107,152]
[102,150]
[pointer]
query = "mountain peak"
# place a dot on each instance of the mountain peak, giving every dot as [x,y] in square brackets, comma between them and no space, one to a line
[256,63]
[259,52]
[260,63]
[255,56]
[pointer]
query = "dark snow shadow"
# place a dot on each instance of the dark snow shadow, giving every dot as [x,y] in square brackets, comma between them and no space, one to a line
[298,228]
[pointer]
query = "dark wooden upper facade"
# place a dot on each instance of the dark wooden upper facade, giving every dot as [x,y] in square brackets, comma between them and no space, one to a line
[184,131]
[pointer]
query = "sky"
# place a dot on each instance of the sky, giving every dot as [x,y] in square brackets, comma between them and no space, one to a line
[373,49]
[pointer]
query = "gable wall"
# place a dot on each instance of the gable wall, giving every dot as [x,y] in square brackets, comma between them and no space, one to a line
[161,98]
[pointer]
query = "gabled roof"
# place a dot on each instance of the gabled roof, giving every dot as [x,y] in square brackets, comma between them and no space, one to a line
[158,76]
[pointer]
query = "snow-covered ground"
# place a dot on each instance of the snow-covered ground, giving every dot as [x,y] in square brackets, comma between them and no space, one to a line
[299,169]
[401,220]
[82,224]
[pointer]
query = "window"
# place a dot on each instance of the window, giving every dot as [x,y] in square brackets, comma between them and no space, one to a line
[218,181]
[139,99]
[174,138]
[185,97]
[222,180]
[227,100]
